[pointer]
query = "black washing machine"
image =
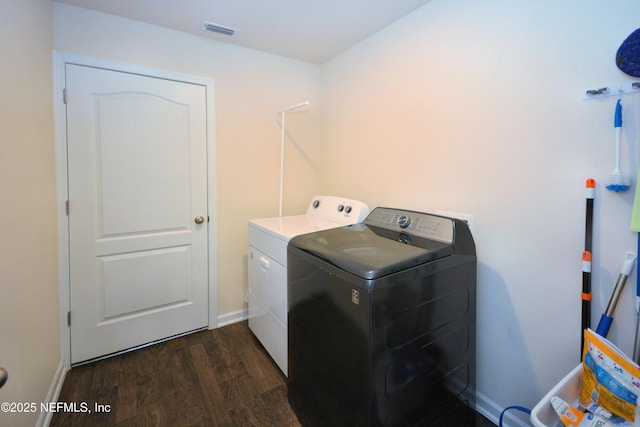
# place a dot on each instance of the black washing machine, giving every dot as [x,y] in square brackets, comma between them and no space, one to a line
[382,322]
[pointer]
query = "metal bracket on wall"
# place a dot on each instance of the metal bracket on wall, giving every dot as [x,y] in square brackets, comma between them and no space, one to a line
[620,89]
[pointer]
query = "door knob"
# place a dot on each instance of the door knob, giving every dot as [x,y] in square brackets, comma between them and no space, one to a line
[199,219]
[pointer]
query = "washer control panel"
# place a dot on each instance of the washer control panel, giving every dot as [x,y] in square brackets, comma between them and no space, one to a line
[415,223]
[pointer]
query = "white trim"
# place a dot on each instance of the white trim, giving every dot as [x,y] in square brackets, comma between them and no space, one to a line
[60,59]
[212,207]
[491,410]
[52,396]
[233,317]
[60,131]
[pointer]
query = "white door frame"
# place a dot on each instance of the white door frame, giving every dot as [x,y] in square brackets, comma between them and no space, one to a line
[60,59]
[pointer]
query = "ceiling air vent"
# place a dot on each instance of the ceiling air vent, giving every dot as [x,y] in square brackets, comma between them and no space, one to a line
[219,29]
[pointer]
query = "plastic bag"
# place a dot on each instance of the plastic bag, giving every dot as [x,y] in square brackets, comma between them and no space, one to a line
[610,379]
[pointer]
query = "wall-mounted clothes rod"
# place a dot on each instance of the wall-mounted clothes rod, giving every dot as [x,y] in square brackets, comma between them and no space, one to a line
[620,89]
[283,113]
[294,107]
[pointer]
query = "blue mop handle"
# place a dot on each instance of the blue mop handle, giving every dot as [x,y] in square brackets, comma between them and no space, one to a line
[604,325]
[607,316]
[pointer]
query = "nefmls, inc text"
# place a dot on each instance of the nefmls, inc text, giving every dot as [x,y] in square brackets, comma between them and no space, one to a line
[77,407]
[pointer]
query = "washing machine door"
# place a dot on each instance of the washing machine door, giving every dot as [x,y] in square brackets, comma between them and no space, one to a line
[371,252]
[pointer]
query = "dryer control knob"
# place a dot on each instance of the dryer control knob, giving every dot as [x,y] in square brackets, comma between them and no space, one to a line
[316,203]
[340,208]
[404,221]
[348,209]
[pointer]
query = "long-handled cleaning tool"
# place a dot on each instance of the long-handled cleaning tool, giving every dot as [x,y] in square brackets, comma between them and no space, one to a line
[636,344]
[607,317]
[635,226]
[586,261]
[617,180]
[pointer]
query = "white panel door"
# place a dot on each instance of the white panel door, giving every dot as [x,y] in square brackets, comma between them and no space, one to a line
[137,185]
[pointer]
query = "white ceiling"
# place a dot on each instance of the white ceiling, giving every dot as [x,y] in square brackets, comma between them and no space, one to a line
[308,30]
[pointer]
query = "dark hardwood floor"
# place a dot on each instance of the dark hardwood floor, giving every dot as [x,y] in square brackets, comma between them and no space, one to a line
[220,377]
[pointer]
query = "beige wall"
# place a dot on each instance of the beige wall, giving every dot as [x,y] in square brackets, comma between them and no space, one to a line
[29,337]
[250,88]
[476,107]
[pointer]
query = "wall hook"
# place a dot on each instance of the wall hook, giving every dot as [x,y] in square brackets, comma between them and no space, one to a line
[601,91]
[619,89]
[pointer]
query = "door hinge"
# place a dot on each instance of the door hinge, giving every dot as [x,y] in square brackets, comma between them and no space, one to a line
[69,318]
[66,207]
[64,95]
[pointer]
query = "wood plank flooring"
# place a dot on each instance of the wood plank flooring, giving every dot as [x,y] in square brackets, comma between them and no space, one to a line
[220,377]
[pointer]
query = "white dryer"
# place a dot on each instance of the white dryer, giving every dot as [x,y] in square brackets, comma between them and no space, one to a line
[268,239]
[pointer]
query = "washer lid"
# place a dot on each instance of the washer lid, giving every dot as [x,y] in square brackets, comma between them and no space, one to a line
[371,252]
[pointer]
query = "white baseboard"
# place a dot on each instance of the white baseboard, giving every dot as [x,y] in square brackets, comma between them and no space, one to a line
[233,317]
[491,410]
[52,396]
